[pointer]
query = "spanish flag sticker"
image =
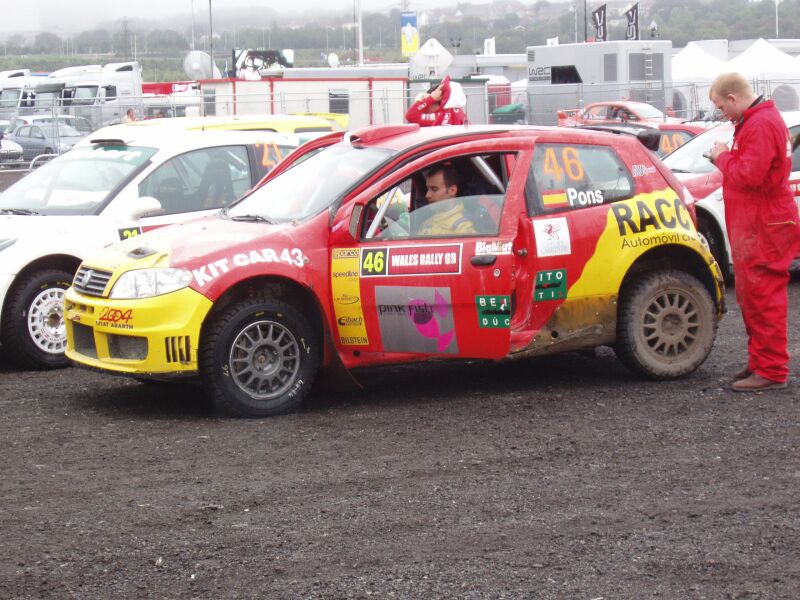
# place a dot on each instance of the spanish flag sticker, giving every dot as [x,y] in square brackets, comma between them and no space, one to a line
[553,198]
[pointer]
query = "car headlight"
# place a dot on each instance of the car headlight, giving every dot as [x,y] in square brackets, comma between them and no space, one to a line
[6,243]
[146,283]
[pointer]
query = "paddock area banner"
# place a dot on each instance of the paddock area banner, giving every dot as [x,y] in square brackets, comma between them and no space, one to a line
[632,33]
[409,34]
[599,20]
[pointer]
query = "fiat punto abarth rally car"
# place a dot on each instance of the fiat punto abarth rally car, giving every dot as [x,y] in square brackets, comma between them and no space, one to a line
[115,184]
[557,239]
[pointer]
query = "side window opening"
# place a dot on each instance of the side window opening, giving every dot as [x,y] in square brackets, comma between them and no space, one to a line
[203,179]
[457,197]
[794,136]
[571,176]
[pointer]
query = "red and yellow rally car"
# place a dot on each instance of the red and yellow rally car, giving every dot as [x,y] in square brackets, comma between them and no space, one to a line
[554,239]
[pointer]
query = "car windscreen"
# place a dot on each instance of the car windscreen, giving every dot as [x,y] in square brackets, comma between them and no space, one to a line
[311,185]
[78,182]
[9,98]
[84,94]
[64,130]
[689,157]
[646,111]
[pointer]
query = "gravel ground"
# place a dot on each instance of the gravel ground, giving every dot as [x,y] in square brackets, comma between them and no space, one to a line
[562,477]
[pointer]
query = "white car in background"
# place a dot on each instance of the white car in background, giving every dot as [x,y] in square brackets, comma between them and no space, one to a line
[112,185]
[704,181]
[10,152]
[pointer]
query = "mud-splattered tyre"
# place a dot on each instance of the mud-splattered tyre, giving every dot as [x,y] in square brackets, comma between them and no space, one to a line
[33,332]
[666,325]
[259,358]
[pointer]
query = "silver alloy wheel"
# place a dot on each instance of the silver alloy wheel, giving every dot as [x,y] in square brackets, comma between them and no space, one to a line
[46,321]
[264,360]
[671,323]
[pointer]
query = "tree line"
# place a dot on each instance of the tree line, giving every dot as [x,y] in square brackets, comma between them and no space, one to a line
[514,26]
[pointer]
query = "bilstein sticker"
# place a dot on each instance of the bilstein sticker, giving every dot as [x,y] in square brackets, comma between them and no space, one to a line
[551,285]
[552,237]
[411,260]
[493,311]
[416,319]
[346,291]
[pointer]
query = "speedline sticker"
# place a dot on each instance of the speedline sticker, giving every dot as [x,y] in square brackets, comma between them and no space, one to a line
[346,290]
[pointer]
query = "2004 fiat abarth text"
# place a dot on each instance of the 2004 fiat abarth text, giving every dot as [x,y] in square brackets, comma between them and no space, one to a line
[396,244]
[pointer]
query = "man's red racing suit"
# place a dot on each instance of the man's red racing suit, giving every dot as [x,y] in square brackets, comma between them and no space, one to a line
[764,232]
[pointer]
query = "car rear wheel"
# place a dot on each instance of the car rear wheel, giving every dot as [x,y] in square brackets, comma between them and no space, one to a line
[33,331]
[666,325]
[259,358]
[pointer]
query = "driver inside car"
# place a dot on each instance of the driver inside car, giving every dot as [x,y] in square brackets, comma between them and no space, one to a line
[448,214]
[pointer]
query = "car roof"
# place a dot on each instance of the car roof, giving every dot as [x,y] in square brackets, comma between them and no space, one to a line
[281,123]
[400,137]
[178,140]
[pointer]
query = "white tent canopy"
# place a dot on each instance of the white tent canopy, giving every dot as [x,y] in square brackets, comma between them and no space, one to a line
[762,60]
[695,64]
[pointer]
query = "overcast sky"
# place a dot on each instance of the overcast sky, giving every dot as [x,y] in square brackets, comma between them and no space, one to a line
[70,16]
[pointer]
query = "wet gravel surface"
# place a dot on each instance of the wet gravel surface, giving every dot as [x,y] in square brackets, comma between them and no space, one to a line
[562,477]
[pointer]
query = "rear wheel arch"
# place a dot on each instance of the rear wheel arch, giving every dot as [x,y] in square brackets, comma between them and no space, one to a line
[667,313]
[674,257]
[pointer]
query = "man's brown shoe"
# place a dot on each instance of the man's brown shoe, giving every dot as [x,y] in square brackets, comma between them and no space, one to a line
[757,383]
[743,374]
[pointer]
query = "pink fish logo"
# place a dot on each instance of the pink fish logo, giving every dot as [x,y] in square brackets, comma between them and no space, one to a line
[424,316]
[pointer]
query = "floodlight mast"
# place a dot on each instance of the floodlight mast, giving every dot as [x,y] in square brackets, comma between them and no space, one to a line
[211,38]
[360,35]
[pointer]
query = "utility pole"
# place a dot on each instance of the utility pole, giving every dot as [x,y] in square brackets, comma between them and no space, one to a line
[192,6]
[211,39]
[360,35]
[585,34]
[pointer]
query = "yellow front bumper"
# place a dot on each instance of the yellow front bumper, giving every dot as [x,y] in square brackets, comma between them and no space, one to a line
[157,335]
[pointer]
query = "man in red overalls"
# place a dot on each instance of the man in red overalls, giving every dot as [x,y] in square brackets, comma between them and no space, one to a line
[442,105]
[763,225]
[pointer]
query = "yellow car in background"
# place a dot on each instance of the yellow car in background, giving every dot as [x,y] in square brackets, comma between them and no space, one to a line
[304,127]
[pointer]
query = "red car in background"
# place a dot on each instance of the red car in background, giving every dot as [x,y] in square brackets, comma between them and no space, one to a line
[619,111]
[674,132]
[673,135]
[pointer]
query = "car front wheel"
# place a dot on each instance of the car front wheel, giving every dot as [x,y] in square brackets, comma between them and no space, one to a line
[259,358]
[666,325]
[33,331]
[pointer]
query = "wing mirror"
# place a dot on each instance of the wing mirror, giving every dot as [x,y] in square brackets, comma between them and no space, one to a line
[144,206]
[344,229]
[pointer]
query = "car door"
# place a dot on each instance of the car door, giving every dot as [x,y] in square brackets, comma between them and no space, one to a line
[396,291]
[38,143]
[572,286]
